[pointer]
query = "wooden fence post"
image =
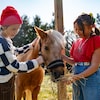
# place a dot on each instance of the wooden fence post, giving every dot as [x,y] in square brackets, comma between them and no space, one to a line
[62,91]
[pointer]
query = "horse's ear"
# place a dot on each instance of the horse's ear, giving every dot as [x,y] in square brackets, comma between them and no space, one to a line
[41,33]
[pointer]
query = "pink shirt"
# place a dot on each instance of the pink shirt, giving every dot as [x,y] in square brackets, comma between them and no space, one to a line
[83,49]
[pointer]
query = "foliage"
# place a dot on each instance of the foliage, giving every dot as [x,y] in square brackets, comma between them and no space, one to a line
[27,32]
[98,19]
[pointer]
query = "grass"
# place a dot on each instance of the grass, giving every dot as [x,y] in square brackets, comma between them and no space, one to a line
[49,90]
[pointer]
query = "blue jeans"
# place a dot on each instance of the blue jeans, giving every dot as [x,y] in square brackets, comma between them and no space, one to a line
[88,88]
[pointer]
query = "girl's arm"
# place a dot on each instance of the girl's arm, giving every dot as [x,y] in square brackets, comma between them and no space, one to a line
[25,48]
[68,60]
[95,62]
[9,62]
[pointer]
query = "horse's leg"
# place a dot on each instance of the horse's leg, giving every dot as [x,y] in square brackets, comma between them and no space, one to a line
[28,95]
[19,96]
[18,93]
[39,74]
[35,92]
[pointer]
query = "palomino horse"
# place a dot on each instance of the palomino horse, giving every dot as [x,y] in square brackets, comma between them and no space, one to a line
[49,44]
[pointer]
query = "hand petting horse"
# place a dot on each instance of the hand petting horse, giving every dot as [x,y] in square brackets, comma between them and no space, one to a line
[49,45]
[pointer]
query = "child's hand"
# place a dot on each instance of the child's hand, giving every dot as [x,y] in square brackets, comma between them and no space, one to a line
[40,60]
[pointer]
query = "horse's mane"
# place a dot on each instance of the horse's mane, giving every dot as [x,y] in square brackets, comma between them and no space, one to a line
[57,37]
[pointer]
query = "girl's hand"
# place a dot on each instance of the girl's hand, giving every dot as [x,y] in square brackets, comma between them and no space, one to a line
[63,56]
[69,79]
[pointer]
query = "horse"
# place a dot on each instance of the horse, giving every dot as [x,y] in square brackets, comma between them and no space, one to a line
[49,45]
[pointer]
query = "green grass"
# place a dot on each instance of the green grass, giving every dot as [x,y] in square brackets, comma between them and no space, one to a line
[49,90]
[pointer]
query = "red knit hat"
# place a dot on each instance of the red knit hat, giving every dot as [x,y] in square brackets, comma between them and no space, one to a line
[10,16]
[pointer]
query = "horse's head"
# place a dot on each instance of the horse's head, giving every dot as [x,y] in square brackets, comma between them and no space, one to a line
[51,43]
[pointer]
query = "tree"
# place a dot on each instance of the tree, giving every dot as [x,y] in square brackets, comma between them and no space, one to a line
[27,32]
[98,19]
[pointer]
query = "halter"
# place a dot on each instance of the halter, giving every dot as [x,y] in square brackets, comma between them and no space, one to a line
[53,64]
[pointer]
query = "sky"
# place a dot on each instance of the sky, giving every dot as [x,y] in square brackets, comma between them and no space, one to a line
[45,9]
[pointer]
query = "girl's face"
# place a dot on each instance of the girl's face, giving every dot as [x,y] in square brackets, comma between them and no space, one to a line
[87,30]
[12,30]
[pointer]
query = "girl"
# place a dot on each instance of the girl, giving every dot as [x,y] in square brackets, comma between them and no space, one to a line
[10,24]
[85,56]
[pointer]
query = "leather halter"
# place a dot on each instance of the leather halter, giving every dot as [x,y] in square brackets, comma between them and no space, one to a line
[53,64]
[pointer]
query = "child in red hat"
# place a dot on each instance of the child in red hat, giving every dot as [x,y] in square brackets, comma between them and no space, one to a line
[10,22]
[10,16]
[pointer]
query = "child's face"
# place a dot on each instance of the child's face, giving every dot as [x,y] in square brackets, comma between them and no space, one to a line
[87,30]
[12,30]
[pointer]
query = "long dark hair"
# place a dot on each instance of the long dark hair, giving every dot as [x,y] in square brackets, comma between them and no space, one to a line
[89,20]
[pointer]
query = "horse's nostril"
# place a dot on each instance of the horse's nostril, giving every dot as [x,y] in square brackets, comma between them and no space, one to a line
[56,75]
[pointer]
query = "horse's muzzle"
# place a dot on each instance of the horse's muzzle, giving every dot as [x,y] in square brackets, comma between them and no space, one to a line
[57,69]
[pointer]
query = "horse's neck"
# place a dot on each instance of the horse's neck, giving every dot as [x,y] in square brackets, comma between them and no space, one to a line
[31,54]
[25,56]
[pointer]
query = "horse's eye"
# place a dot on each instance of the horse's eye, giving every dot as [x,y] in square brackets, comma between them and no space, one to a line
[46,48]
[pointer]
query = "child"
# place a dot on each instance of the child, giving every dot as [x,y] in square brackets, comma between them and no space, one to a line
[10,24]
[85,55]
